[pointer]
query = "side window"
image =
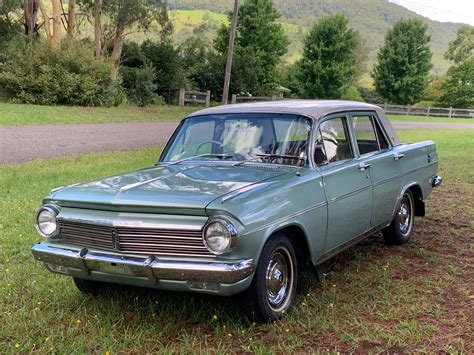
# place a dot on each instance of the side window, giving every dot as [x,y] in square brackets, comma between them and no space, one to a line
[332,142]
[368,135]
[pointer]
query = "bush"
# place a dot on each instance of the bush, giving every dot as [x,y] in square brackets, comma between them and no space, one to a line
[352,93]
[139,84]
[69,76]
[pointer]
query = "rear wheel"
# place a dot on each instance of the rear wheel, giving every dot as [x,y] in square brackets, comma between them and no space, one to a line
[273,288]
[400,230]
[88,286]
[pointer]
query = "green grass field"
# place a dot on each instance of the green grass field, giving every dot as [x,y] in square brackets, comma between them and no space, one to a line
[376,298]
[15,114]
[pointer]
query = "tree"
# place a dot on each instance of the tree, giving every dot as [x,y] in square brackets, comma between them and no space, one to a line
[259,38]
[329,64]
[458,86]
[462,47]
[403,64]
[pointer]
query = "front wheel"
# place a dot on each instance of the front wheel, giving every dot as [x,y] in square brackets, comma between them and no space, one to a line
[273,287]
[400,230]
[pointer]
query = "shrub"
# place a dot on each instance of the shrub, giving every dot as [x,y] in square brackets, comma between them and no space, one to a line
[352,93]
[139,84]
[69,76]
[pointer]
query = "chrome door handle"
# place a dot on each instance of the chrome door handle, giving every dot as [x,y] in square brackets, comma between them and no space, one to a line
[398,156]
[363,166]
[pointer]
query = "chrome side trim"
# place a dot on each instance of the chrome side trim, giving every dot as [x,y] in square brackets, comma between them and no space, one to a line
[329,254]
[318,205]
[402,174]
[355,192]
[147,267]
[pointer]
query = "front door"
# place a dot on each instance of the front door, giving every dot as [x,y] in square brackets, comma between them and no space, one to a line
[346,182]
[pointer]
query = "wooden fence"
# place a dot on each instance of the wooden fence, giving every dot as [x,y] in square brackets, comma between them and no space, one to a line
[450,112]
[238,99]
[195,97]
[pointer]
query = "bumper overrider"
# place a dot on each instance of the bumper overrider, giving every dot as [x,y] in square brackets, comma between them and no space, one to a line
[221,277]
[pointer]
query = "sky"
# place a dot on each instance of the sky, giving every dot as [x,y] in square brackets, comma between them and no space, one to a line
[442,10]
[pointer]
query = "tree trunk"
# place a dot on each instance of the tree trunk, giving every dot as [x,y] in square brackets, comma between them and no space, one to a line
[56,37]
[30,10]
[47,27]
[71,18]
[117,50]
[97,28]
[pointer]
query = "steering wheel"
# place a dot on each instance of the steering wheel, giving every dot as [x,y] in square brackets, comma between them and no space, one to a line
[208,142]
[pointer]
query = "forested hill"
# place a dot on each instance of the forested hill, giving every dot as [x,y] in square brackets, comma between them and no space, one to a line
[371,18]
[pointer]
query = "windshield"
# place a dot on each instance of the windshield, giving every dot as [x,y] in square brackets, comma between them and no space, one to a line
[270,138]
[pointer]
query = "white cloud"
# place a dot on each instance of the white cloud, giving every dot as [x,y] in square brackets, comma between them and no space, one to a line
[442,10]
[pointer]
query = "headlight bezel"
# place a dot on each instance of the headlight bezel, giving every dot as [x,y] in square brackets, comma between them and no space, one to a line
[55,213]
[231,230]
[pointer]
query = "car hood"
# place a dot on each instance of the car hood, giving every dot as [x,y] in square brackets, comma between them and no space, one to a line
[172,188]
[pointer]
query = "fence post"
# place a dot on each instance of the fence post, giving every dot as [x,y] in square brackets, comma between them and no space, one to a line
[428,111]
[408,109]
[274,97]
[208,98]
[182,93]
[385,106]
[234,98]
[450,111]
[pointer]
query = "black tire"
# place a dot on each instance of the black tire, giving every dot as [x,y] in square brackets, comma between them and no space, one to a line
[259,302]
[88,286]
[401,228]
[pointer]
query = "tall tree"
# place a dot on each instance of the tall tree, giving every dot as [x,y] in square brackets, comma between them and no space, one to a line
[458,86]
[403,64]
[57,25]
[71,18]
[330,60]
[128,15]
[462,47]
[97,28]
[30,11]
[259,33]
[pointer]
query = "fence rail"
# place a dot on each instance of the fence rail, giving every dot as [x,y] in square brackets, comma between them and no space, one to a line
[450,112]
[236,99]
[194,97]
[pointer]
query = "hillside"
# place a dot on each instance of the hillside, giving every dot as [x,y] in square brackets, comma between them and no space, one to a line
[371,18]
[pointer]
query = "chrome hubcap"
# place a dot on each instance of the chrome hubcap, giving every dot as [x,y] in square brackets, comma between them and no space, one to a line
[278,278]
[404,215]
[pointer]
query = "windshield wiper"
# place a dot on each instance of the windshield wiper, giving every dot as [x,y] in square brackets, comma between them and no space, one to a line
[201,155]
[260,156]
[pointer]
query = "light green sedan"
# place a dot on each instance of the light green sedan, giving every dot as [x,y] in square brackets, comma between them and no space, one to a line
[242,198]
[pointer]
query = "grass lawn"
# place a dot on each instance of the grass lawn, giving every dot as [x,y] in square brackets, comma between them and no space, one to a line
[376,297]
[16,114]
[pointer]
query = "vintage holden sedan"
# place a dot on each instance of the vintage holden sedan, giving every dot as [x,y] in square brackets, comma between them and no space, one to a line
[242,197]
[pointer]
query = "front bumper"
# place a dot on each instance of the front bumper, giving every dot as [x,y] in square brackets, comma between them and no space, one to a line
[200,276]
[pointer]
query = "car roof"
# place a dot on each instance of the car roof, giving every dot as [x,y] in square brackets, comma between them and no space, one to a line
[312,108]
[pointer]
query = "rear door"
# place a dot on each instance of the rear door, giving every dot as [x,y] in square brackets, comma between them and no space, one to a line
[346,182]
[386,171]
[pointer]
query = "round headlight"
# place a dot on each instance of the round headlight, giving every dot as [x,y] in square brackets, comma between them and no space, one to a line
[219,236]
[46,222]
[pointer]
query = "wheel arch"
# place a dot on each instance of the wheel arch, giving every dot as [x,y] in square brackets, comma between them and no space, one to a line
[417,193]
[298,236]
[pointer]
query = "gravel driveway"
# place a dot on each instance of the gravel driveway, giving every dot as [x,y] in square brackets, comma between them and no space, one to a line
[24,143]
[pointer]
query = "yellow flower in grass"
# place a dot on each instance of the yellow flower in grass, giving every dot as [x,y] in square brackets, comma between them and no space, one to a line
[17,346]
[214,317]
[78,321]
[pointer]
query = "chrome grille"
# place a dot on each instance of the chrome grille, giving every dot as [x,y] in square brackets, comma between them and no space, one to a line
[132,240]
